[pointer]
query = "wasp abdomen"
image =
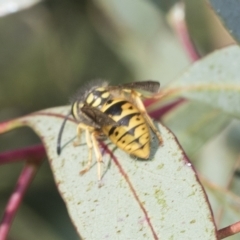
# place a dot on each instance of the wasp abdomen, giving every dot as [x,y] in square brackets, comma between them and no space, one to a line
[132,135]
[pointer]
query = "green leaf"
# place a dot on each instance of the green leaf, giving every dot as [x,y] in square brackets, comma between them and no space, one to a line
[156,199]
[213,80]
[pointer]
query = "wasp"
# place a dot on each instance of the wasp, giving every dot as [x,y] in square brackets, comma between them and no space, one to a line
[116,112]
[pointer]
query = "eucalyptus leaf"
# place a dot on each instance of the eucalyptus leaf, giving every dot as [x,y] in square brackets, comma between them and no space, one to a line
[213,80]
[156,199]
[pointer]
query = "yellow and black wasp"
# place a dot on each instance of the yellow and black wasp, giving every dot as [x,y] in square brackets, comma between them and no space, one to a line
[116,112]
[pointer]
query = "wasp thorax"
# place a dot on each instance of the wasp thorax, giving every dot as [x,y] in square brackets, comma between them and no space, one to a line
[97,97]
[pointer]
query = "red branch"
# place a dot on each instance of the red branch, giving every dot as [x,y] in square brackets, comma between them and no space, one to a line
[15,200]
[229,231]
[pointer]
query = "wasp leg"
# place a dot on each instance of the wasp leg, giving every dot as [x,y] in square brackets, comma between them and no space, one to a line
[136,96]
[91,140]
[80,127]
[90,146]
[97,153]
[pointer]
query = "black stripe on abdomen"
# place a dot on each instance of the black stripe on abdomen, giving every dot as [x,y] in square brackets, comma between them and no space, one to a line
[124,121]
[116,108]
[130,131]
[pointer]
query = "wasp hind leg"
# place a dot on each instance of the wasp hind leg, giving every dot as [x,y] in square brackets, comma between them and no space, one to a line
[136,96]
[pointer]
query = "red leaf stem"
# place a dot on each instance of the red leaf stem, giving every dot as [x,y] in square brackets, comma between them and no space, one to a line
[32,152]
[9,125]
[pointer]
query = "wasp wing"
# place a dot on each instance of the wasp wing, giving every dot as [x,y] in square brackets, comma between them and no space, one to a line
[97,116]
[149,86]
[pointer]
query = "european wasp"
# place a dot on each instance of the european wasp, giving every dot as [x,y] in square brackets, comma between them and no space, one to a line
[116,112]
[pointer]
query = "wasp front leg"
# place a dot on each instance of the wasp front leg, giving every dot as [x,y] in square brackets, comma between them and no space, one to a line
[80,127]
[90,146]
[92,143]
[98,153]
[87,130]
[136,96]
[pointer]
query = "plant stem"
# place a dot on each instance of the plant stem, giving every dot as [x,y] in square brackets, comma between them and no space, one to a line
[229,230]
[16,198]
[32,152]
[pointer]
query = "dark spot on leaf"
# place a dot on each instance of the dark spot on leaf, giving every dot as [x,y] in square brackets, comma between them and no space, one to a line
[130,107]
[116,133]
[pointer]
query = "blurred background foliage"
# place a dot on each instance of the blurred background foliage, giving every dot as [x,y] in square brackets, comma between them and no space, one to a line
[50,49]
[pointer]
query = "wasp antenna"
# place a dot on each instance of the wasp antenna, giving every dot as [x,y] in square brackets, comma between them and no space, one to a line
[60,133]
